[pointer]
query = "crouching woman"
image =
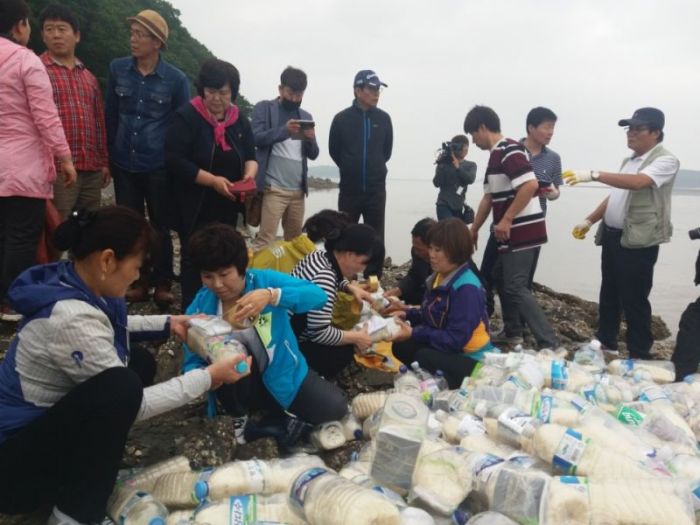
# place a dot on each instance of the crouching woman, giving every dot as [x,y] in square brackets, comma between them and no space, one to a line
[449,331]
[68,393]
[280,379]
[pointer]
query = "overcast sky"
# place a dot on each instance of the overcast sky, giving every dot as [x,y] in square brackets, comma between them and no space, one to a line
[592,62]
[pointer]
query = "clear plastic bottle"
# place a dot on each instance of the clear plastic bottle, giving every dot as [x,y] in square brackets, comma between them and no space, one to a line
[182,490]
[590,356]
[129,506]
[407,382]
[145,479]
[250,508]
[328,436]
[321,496]
[352,428]
[371,425]
[365,404]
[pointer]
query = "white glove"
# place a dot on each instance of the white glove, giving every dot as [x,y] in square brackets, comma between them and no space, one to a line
[580,230]
[552,192]
[572,177]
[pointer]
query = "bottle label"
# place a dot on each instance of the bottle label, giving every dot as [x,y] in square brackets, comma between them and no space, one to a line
[486,466]
[256,476]
[627,366]
[297,495]
[470,426]
[630,416]
[544,409]
[653,393]
[242,510]
[515,420]
[137,497]
[458,401]
[560,375]
[578,483]
[569,452]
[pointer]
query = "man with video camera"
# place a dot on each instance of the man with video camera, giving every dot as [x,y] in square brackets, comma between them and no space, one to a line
[452,175]
[686,355]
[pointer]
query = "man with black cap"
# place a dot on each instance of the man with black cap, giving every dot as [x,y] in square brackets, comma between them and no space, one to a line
[636,218]
[360,143]
[142,93]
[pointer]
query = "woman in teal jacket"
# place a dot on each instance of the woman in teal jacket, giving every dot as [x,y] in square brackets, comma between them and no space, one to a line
[280,379]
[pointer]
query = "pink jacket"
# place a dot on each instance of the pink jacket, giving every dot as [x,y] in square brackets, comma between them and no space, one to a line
[30,129]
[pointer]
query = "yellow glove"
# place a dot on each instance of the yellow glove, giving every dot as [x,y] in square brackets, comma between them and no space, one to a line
[572,177]
[580,230]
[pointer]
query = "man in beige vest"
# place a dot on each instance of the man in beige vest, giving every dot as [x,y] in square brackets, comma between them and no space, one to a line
[636,218]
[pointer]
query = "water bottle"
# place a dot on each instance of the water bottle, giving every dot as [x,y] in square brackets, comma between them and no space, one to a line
[352,428]
[407,382]
[365,404]
[415,516]
[129,506]
[250,508]
[370,426]
[320,496]
[182,490]
[180,517]
[401,433]
[145,479]
[590,355]
[328,436]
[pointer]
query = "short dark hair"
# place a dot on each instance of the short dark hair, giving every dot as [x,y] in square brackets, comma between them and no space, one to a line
[355,238]
[321,224]
[537,116]
[460,139]
[216,73]
[58,12]
[479,115]
[116,228]
[293,78]
[218,246]
[452,237]
[11,12]
[420,229]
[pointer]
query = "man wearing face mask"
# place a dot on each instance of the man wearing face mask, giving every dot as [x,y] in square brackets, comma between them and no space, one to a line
[285,139]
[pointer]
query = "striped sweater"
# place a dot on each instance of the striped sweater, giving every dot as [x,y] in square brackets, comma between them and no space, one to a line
[319,268]
[507,170]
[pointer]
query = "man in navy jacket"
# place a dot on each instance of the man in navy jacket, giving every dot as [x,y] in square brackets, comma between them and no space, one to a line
[360,143]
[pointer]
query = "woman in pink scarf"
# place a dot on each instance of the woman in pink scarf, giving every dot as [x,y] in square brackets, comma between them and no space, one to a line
[209,146]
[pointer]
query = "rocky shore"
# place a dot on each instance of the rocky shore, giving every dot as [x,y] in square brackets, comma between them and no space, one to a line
[207,442]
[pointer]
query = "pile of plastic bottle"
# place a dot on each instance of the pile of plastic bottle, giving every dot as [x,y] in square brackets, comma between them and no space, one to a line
[530,438]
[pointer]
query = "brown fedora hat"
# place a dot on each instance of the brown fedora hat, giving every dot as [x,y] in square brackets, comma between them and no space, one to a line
[154,23]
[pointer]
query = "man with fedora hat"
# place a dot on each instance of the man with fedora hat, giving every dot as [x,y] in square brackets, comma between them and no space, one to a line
[360,142]
[142,93]
[636,218]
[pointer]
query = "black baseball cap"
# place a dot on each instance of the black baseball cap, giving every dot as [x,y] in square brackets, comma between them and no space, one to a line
[652,117]
[367,77]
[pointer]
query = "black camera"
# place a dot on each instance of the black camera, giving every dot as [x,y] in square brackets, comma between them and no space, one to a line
[446,150]
[694,234]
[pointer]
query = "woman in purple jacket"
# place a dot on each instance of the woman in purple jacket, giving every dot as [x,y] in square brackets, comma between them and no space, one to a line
[449,331]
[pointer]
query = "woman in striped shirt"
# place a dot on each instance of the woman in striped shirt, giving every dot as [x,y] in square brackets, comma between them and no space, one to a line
[347,252]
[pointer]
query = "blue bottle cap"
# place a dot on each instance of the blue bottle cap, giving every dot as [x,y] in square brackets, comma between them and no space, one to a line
[439,373]
[156,521]
[201,490]
[358,434]
[403,369]
[241,367]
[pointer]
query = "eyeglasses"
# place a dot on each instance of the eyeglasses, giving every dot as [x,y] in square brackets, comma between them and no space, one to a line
[139,35]
[633,130]
[224,93]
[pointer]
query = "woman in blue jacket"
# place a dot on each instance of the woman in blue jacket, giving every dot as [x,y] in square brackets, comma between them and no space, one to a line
[280,378]
[450,329]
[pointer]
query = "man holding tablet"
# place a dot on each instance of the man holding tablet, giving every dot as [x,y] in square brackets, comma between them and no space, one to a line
[285,138]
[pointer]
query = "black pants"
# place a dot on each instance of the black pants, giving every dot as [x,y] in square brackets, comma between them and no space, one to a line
[317,400]
[21,224]
[69,456]
[370,206]
[155,189]
[488,279]
[686,355]
[627,278]
[327,360]
[455,366]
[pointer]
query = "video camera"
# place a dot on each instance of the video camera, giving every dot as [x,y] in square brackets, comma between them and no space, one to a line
[446,151]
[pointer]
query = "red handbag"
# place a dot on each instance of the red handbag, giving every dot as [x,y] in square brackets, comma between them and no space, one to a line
[243,189]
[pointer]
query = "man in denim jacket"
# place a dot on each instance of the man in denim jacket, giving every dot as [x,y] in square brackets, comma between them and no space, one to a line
[142,93]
